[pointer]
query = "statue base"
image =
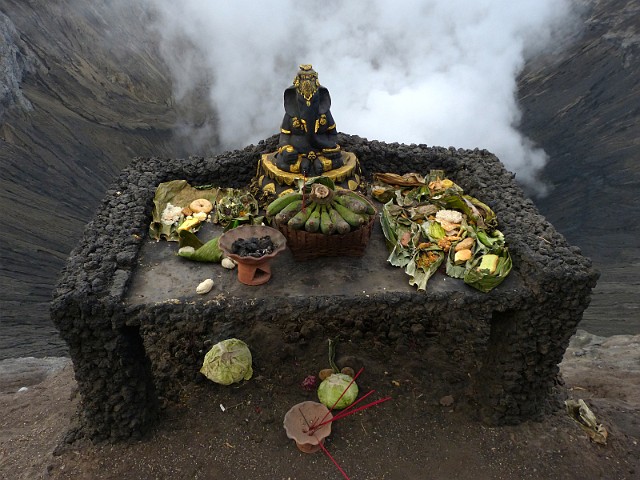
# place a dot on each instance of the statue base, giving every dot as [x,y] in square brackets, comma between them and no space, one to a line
[272,180]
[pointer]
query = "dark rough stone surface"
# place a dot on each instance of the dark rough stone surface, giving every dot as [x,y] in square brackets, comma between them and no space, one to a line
[504,346]
[580,104]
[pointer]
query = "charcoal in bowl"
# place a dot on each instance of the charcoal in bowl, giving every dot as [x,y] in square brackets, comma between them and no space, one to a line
[253,247]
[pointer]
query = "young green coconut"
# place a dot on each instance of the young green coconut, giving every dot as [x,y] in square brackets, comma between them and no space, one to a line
[335,382]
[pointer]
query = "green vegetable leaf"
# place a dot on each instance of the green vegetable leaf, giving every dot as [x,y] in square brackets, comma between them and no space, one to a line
[228,362]
[434,231]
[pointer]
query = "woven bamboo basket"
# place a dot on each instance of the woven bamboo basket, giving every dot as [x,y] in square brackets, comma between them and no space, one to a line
[305,245]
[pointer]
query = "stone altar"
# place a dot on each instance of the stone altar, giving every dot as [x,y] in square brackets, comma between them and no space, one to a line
[132,340]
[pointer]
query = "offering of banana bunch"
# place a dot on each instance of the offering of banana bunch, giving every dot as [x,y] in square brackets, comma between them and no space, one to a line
[320,207]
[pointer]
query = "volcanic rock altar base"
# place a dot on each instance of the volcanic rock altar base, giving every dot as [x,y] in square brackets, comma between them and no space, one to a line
[136,329]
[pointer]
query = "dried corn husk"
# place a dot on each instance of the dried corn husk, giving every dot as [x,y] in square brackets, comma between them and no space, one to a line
[580,412]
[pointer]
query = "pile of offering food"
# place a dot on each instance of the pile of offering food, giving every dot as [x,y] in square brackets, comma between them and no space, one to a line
[320,219]
[180,210]
[320,207]
[428,222]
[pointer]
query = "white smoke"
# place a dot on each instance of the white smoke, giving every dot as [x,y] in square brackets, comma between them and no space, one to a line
[438,72]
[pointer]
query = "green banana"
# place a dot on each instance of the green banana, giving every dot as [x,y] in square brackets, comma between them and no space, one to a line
[288,212]
[298,221]
[354,202]
[350,203]
[354,219]
[341,227]
[327,226]
[313,222]
[279,203]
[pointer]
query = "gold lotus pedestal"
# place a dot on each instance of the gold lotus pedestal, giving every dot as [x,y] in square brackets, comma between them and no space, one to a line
[274,181]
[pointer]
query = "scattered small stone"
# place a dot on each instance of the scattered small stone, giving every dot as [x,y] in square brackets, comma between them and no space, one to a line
[186,251]
[205,287]
[447,401]
[228,263]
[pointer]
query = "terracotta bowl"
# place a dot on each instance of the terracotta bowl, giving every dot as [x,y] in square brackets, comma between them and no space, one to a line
[297,421]
[252,270]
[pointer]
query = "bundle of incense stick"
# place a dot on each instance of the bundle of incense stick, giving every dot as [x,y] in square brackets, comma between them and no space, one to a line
[348,410]
[344,413]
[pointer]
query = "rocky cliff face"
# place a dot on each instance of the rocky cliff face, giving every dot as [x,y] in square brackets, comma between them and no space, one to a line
[581,105]
[75,107]
[81,96]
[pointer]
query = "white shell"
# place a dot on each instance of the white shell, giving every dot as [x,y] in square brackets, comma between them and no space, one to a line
[228,263]
[186,250]
[205,287]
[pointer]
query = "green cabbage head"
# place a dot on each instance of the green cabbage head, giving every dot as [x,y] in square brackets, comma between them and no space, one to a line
[332,387]
[228,362]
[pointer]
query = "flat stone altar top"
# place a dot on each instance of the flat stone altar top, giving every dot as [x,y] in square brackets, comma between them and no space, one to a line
[162,275]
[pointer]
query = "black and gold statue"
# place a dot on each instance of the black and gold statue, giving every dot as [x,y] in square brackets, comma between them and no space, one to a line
[308,136]
[308,144]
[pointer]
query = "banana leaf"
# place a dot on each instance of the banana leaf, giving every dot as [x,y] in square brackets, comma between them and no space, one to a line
[435,175]
[187,238]
[453,270]
[439,185]
[495,239]
[403,199]
[234,203]
[423,265]
[326,181]
[245,220]
[382,192]
[416,243]
[180,194]
[434,231]
[405,247]
[459,271]
[422,212]
[393,210]
[479,212]
[203,252]
[406,180]
[586,419]
[419,195]
[484,280]
[388,227]
[400,256]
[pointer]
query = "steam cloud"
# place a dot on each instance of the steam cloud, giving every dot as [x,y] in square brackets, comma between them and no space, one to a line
[438,72]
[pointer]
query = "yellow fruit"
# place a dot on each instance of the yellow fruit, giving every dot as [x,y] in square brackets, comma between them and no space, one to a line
[462,255]
[465,244]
